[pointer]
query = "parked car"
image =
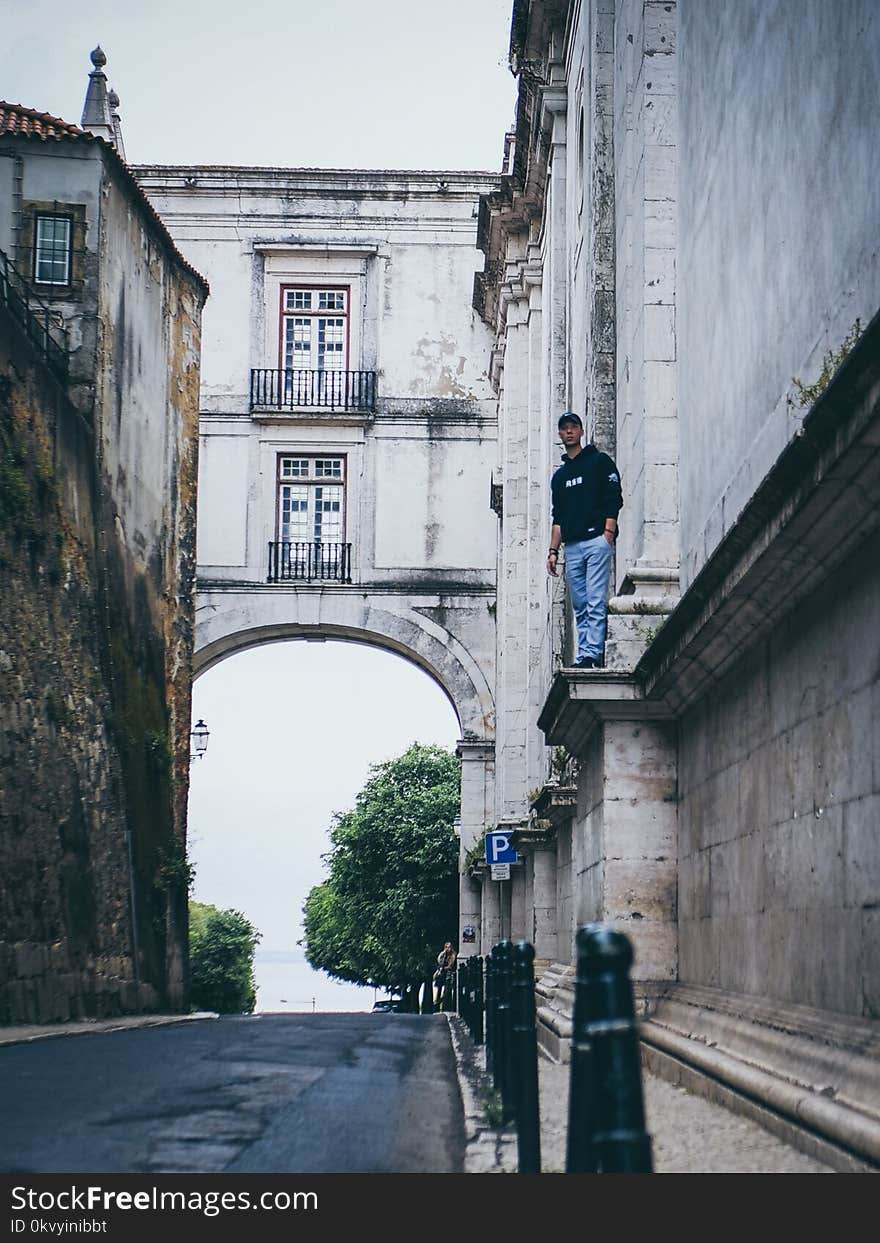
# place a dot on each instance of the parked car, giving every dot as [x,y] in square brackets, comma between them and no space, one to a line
[388,1005]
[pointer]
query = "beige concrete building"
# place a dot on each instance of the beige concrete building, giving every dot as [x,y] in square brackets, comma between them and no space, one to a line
[685,231]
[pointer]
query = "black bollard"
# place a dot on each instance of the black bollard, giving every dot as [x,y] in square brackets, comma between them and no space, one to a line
[490,1016]
[477,1002]
[524,1060]
[504,1078]
[606,1125]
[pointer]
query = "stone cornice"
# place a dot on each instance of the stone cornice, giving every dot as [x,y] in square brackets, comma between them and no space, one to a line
[477,750]
[581,699]
[555,804]
[537,835]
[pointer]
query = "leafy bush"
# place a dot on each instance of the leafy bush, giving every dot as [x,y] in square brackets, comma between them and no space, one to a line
[221,960]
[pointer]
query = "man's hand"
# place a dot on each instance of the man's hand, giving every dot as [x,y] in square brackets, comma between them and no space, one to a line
[609,535]
[551,566]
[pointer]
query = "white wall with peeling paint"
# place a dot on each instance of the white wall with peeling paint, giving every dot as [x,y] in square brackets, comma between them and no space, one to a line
[418,470]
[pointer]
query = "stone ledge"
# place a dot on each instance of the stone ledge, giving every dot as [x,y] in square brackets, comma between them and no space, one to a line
[814,1070]
[580,699]
[554,997]
[810,1076]
[555,803]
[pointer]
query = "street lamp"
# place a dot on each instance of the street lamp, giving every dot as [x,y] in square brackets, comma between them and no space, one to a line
[199,736]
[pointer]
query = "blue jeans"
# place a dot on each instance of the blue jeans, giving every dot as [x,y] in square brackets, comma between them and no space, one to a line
[587,570]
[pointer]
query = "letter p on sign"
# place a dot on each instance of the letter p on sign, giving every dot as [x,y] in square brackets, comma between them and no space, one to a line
[499,849]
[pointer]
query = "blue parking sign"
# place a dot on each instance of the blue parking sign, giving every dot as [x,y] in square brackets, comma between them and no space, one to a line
[499,849]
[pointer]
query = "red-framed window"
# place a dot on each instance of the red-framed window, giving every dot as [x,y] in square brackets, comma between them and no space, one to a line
[315,327]
[311,498]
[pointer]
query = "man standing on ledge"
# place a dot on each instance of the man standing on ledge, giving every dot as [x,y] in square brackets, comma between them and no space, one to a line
[586,501]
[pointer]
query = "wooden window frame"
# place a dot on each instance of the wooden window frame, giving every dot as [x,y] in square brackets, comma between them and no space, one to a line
[312,481]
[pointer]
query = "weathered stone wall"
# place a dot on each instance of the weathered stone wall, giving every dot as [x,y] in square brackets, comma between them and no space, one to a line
[97,624]
[779,885]
[147,391]
[66,945]
[779,204]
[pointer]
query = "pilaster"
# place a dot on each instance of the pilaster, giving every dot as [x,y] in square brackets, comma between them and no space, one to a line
[477,810]
[647,418]
[624,833]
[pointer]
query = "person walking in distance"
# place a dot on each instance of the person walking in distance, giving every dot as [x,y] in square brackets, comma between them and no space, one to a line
[445,966]
[586,499]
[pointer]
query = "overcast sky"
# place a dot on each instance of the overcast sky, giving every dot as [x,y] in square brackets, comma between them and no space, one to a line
[335,84]
[294,730]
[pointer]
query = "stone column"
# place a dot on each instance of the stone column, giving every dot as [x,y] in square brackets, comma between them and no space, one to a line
[624,833]
[601,413]
[490,915]
[640,842]
[477,814]
[544,936]
[647,424]
[513,587]
[520,916]
[538,609]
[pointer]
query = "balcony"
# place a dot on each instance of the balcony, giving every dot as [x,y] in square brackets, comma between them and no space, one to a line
[308,562]
[343,391]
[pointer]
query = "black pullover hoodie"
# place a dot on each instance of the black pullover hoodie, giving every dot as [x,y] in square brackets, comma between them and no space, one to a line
[585,491]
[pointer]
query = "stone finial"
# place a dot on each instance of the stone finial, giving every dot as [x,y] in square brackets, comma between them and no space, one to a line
[113,101]
[96,116]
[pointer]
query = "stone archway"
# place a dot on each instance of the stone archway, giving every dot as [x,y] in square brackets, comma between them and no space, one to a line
[232,621]
[437,637]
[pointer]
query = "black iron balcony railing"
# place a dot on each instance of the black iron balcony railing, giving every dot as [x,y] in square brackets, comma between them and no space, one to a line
[292,561]
[328,390]
[42,325]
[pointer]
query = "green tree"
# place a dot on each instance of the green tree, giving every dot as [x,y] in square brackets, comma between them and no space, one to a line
[221,960]
[391,898]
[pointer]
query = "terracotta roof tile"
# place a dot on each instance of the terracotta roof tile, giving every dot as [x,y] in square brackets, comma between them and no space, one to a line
[14,119]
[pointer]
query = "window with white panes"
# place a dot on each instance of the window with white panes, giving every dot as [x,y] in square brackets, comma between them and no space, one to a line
[314,342]
[311,500]
[52,247]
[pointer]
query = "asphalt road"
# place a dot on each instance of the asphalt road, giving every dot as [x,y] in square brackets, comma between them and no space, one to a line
[322,1093]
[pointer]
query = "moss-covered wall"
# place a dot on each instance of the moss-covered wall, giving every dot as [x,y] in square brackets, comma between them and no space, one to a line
[97,578]
[66,944]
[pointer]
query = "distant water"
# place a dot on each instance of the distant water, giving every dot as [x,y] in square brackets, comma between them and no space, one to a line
[286,982]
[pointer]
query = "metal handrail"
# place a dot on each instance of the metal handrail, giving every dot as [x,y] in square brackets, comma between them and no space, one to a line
[34,316]
[289,389]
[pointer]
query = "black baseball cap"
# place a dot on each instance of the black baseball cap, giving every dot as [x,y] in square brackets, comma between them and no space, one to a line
[569,417]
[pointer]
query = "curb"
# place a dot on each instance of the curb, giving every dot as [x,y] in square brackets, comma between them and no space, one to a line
[25,1034]
[488,1150]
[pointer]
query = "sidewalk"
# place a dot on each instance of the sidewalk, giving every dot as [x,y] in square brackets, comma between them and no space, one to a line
[24,1032]
[689,1135]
